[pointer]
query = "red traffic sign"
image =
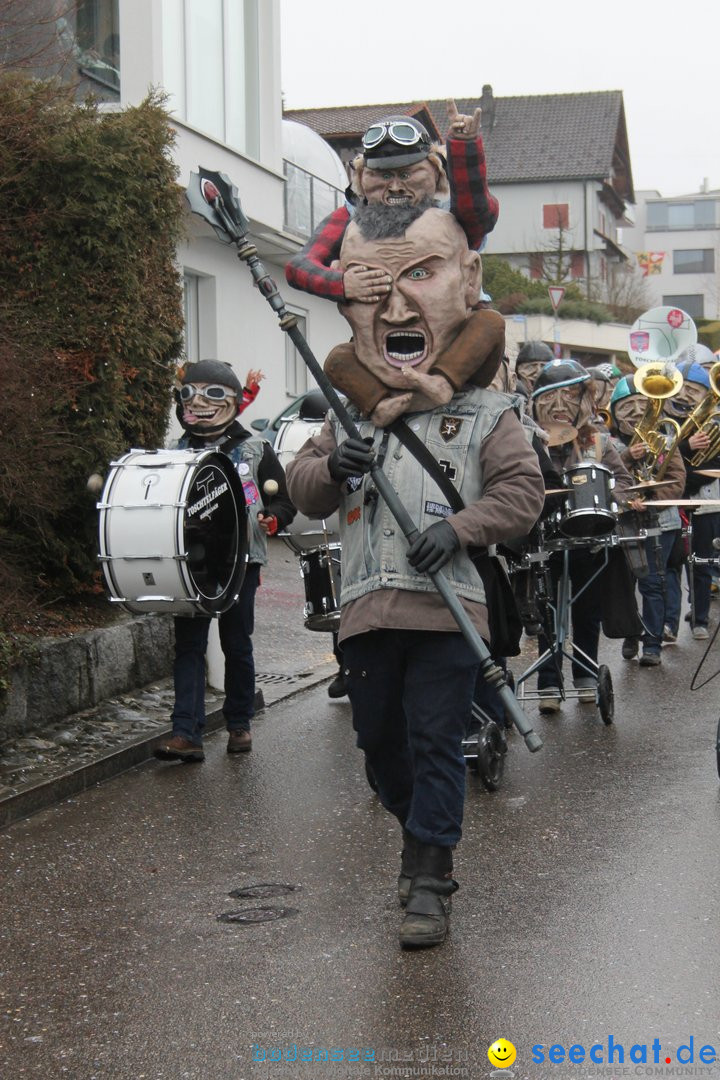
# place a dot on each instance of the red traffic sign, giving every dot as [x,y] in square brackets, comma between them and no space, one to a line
[556,294]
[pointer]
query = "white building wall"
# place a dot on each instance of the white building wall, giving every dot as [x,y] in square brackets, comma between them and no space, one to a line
[667,283]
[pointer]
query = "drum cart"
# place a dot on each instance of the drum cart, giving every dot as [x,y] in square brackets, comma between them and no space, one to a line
[555,607]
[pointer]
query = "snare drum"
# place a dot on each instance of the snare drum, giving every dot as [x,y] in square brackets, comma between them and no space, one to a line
[589,507]
[320,569]
[173,532]
[303,533]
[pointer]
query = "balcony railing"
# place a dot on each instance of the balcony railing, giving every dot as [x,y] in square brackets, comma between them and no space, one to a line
[308,199]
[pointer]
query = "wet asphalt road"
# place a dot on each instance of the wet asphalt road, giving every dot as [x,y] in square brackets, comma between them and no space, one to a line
[588,905]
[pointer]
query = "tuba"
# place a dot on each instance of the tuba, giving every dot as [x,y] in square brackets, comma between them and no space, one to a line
[657,382]
[656,340]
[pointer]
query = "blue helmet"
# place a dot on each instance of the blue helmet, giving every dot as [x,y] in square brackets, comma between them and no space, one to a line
[697,354]
[692,372]
[624,388]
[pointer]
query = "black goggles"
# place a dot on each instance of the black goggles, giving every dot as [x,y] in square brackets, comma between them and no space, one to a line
[213,392]
[399,131]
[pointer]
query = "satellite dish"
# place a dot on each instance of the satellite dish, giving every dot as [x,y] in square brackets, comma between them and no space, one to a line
[661,333]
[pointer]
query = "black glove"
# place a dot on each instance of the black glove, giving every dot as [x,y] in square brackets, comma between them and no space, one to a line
[352,458]
[433,548]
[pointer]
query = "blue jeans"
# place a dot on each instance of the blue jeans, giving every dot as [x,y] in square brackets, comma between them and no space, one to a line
[191,637]
[660,592]
[411,692]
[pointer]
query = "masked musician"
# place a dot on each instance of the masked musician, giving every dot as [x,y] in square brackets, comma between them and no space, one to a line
[563,404]
[529,362]
[696,391]
[660,589]
[410,673]
[399,166]
[209,399]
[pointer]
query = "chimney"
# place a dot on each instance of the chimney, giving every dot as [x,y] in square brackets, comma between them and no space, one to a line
[705,185]
[487,104]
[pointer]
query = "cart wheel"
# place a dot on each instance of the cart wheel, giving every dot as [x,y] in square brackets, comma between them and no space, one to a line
[492,748]
[717,748]
[606,695]
[370,775]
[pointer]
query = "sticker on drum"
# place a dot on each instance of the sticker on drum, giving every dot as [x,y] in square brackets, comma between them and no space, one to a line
[174,539]
[589,507]
[320,568]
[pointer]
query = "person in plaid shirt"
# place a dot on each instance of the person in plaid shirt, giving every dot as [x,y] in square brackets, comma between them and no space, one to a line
[401,173]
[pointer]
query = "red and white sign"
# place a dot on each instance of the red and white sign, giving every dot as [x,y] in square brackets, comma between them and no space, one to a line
[676,318]
[556,294]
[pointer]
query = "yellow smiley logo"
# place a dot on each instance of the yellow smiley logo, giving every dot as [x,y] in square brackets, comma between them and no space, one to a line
[502,1053]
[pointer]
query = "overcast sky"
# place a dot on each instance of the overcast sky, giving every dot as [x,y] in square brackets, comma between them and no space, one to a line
[664,56]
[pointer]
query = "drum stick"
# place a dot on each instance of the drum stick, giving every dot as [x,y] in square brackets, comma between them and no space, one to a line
[271,487]
[213,197]
[714,473]
[694,503]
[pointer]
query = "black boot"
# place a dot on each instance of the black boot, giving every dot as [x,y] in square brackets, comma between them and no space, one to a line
[428,904]
[407,866]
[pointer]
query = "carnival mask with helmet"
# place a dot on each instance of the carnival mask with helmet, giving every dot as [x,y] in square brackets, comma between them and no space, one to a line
[627,405]
[207,397]
[561,396]
[696,384]
[531,359]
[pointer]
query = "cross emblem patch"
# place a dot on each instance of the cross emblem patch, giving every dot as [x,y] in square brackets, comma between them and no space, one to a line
[449,470]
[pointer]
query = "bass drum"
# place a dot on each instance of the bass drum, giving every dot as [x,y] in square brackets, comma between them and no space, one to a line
[303,533]
[173,532]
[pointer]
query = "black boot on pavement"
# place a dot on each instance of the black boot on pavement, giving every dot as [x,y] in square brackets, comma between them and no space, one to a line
[428,904]
[239,742]
[407,866]
[338,687]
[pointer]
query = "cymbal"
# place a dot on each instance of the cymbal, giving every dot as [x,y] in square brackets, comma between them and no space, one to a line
[558,434]
[645,484]
[714,473]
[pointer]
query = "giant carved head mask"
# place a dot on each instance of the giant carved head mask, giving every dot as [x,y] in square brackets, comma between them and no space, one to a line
[435,282]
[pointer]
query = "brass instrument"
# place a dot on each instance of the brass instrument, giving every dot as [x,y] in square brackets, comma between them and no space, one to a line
[705,417]
[606,416]
[656,339]
[657,382]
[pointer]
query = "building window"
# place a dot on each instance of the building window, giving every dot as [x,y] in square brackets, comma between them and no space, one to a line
[296,373]
[191,310]
[89,32]
[577,264]
[693,304]
[698,214]
[210,53]
[555,215]
[536,265]
[694,261]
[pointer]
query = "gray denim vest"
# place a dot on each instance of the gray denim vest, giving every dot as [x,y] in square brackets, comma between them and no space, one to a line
[246,458]
[374,548]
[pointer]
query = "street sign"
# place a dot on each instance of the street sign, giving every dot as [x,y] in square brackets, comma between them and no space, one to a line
[556,294]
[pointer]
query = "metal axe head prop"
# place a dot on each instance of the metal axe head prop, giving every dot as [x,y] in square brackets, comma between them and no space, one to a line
[213,196]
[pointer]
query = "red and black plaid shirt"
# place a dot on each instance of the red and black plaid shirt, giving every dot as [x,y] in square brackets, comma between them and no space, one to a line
[470,201]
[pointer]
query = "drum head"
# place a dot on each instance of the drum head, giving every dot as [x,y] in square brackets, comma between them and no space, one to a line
[586,525]
[215,533]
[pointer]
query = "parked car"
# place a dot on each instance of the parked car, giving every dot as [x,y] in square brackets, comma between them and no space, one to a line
[269,429]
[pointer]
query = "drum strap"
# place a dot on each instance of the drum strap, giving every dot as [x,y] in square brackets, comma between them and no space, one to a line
[503,617]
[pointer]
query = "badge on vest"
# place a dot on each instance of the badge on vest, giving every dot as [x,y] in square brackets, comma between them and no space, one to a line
[436,509]
[354,482]
[252,495]
[450,427]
